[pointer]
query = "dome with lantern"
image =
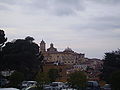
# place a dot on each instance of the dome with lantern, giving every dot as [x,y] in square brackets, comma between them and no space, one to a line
[68,50]
[52,49]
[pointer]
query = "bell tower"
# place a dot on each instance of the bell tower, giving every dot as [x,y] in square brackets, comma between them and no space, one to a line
[42,46]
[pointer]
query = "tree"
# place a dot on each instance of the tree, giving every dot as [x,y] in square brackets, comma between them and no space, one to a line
[111,64]
[2,41]
[16,78]
[77,80]
[42,78]
[115,80]
[30,39]
[53,74]
[22,56]
[2,38]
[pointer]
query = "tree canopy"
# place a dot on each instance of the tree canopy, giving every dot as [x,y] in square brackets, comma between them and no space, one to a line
[42,78]
[16,78]
[53,74]
[28,38]
[115,80]
[111,64]
[77,79]
[23,56]
[2,38]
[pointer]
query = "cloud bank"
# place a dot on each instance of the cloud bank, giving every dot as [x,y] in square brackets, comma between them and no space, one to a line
[88,26]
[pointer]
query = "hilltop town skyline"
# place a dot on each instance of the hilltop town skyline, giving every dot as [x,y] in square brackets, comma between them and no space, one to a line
[86,26]
[48,45]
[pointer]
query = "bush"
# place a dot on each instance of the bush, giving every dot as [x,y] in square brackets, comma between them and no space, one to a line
[42,78]
[53,74]
[16,78]
[77,79]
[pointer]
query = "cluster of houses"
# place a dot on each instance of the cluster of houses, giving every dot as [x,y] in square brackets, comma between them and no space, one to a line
[69,61]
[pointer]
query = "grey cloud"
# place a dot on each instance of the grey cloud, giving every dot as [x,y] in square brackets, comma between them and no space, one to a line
[8,1]
[13,2]
[107,1]
[68,7]
[2,7]
[108,19]
[4,4]
[95,26]
[64,12]
[73,4]
[57,7]
[107,22]
[99,23]
[39,4]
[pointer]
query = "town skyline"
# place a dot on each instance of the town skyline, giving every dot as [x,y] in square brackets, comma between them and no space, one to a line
[86,26]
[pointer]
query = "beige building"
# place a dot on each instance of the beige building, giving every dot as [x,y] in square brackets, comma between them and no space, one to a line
[68,56]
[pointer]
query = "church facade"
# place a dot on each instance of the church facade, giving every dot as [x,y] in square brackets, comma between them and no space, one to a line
[68,56]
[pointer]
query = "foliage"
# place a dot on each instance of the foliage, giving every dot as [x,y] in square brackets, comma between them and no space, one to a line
[2,38]
[2,41]
[42,78]
[111,64]
[115,80]
[22,56]
[53,74]
[29,38]
[77,79]
[16,78]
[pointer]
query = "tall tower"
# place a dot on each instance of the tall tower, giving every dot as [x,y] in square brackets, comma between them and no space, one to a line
[42,46]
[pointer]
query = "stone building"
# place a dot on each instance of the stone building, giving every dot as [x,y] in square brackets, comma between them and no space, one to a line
[68,56]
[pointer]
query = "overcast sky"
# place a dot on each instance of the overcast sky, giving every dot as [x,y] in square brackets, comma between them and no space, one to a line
[87,26]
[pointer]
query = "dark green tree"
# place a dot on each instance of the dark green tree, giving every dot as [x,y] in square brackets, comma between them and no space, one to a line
[3,39]
[115,80]
[111,64]
[77,80]
[16,78]
[53,74]
[30,39]
[23,56]
[42,78]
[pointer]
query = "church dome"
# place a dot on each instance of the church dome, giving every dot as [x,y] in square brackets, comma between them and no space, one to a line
[52,49]
[68,50]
